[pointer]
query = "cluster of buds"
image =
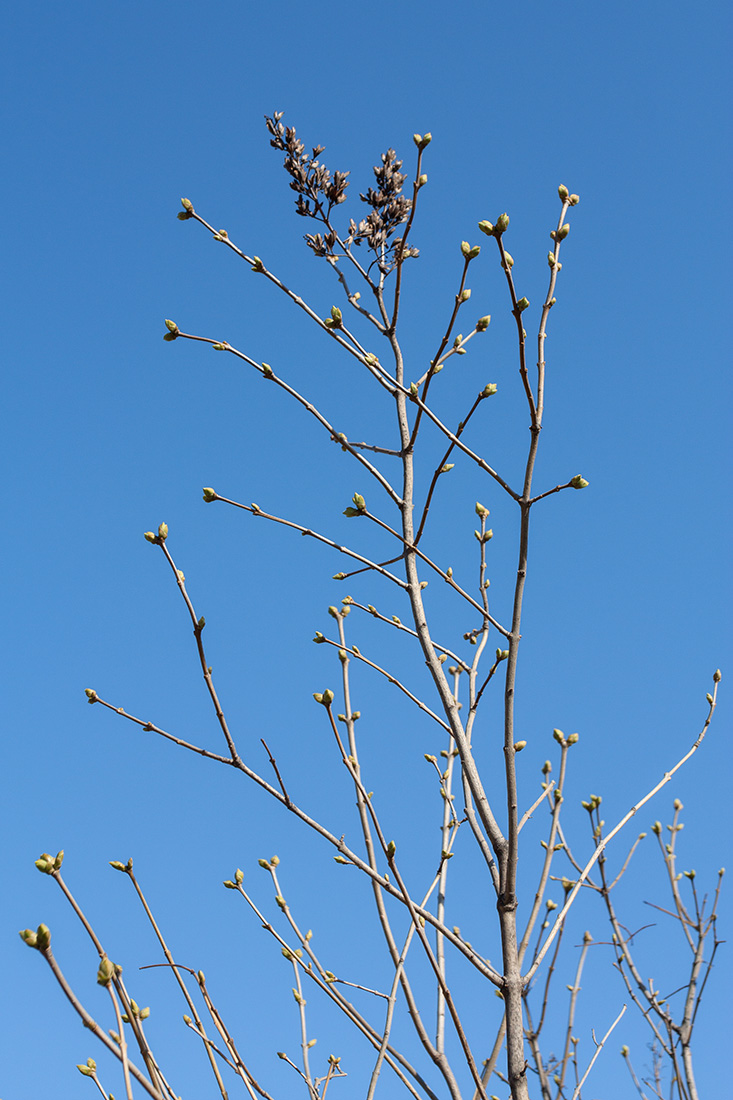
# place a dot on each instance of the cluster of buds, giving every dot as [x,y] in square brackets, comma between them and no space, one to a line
[469,252]
[565,196]
[48,864]
[335,320]
[159,539]
[497,228]
[173,331]
[40,939]
[137,1012]
[422,140]
[325,698]
[118,866]
[359,508]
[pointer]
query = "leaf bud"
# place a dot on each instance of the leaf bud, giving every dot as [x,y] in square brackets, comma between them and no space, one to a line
[422,180]
[561,233]
[657,828]
[359,502]
[239,877]
[115,863]
[508,259]
[487,228]
[209,494]
[522,304]
[573,739]
[449,572]
[551,905]
[709,698]
[105,972]
[689,874]
[519,745]
[559,736]
[29,937]
[150,536]
[502,224]
[257,265]
[187,205]
[422,141]
[173,328]
[717,676]
[339,576]
[201,623]
[481,511]
[574,200]
[218,347]
[489,390]
[464,295]
[391,849]
[229,884]
[91,695]
[163,532]
[86,1071]
[578,482]
[483,323]
[563,192]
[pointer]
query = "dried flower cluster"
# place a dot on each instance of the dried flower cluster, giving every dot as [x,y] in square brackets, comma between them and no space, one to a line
[319,190]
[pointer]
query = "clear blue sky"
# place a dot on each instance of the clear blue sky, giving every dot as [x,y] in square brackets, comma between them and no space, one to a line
[112,112]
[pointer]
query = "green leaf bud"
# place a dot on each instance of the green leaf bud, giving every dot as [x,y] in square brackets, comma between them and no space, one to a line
[508,259]
[219,347]
[91,695]
[257,265]
[717,676]
[519,745]
[502,224]
[483,323]
[336,315]
[117,865]
[464,295]
[150,536]
[522,304]
[229,884]
[201,623]
[422,180]
[86,1071]
[187,205]
[561,233]
[209,494]
[350,513]
[574,200]
[29,937]
[489,390]
[573,739]
[578,482]
[334,612]
[172,327]
[339,576]
[163,532]
[551,259]
[105,972]
[319,638]
[481,511]
[281,903]
[487,228]
[422,140]
[391,849]
[239,877]
[559,736]
[563,192]
[709,698]
[359,502]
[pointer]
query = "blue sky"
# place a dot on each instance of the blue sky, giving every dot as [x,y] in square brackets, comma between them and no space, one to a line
[111,114]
